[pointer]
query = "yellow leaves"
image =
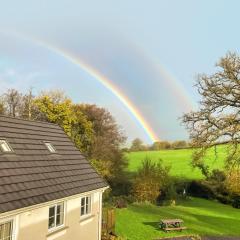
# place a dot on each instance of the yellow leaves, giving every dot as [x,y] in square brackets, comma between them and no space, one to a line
[233,181]
[102,167]
[60,110]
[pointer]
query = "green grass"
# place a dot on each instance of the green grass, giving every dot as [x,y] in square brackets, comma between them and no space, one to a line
[178,160]
[202,217]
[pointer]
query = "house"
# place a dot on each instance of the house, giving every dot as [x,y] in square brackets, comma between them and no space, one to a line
[48,190]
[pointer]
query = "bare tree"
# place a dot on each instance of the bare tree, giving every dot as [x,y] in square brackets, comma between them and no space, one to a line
[28,108]
[12,100]
[218,119]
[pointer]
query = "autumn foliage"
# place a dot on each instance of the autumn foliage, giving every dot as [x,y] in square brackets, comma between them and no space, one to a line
[151,178]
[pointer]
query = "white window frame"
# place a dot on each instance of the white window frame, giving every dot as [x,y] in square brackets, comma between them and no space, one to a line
[13,233]
[7,145]
[50,147]
[86,214]
[55,227]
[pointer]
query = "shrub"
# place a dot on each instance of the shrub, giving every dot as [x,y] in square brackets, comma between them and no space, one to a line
[225,199]
[121,201]
[233,182]
[150,179]
[217,176]
[171,193]
[236,202]
[201,189]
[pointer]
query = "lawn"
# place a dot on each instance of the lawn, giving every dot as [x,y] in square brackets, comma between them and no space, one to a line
[179,160]
[202,217]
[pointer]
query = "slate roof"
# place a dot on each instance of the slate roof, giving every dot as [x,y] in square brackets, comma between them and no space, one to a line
[32,175]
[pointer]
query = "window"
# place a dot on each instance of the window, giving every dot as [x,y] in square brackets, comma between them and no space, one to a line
[5,147]
[85,205]
[50,147]
[6,231]
[56,216]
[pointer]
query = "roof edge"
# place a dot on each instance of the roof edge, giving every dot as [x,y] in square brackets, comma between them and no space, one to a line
[48,203]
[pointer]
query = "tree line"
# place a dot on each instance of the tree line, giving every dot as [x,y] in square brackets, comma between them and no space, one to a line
[138,145]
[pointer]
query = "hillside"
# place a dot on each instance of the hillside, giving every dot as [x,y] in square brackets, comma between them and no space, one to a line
[179,160]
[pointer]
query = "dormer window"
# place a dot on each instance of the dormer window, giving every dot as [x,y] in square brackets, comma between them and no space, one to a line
[50,147]
[5,147]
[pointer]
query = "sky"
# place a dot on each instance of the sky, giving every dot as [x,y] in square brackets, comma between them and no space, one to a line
[138,59]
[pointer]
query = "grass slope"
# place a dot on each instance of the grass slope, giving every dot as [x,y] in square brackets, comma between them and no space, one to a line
[179,160]
[202,217]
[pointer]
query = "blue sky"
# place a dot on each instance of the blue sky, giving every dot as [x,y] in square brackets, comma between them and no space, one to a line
[151,50]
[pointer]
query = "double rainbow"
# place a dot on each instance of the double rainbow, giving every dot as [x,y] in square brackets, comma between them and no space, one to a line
[98,76]
[76,60]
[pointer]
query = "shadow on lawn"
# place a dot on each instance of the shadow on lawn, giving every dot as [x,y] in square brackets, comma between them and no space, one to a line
[206,225]
[155,225]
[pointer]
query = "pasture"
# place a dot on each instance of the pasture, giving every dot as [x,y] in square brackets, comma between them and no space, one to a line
[178,160]
[201,217]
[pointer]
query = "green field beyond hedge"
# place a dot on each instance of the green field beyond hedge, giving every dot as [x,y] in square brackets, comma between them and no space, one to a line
[202,217]
[179,160]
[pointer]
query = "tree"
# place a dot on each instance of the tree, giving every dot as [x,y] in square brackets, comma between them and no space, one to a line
[137,145]
[179,144]
[105,151]
[2,109]
[28,109]
[150,179]
[218,118]
[58,112]
[160,145]
[55,107]
[82,130]
[11,101]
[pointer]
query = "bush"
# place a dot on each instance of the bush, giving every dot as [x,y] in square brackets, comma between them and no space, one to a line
[225,199]
[171,193]
[201,189]
[150,179]
[217,176]
[120,202]
[236,202]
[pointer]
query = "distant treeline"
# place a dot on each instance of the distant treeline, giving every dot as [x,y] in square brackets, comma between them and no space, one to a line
[138,145]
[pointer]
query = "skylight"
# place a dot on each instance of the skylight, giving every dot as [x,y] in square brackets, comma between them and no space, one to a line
[5,147]
[50,147]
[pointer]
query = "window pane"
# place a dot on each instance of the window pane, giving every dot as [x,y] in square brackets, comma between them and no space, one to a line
[6,231]
[83,201]
[82,210]
[51,212]
[50,147]
[87,209]
[88,206]
[51,222]
[1,231]
[60,208]
[85,205]
[4,146]
[59,220]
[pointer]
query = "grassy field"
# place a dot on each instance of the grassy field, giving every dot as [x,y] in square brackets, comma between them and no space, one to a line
[179,160]
[202,217]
